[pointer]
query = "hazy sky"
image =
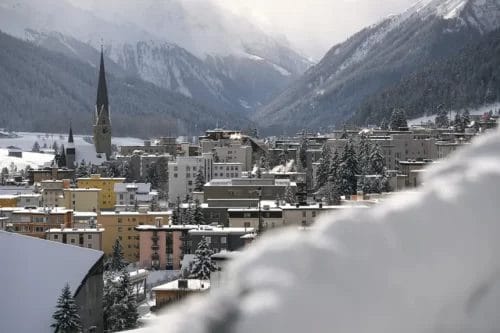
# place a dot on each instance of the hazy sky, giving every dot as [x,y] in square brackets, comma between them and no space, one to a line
[316,25]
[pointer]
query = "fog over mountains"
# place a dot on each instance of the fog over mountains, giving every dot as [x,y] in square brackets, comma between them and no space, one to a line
[225,65]
[377,57]
[197,50]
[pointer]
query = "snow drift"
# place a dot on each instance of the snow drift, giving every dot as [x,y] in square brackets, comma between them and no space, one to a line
[425,262]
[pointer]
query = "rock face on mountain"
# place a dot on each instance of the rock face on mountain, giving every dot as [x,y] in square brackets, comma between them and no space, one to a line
[43,91]
[376,57]
[192,48]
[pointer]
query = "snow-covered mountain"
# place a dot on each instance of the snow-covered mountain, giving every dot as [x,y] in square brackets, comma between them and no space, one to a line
[378,56]
[191,47]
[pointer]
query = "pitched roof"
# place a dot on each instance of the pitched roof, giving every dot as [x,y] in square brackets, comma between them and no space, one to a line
[33,273]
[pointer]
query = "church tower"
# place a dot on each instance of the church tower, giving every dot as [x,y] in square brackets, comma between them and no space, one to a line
[70,150]
[102,121]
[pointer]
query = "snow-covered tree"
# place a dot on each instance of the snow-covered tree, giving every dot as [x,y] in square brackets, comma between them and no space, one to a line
[330,192]
[303,152]
[364,152]
[376,160]
[383,125]
[116,263]
[324,166]
[290,197]
[36,147]
[398,119]
[119,303]
[199,181]
[202,264]
[67,319]
[198,216]
[348,169]
[442,120]
[55,146]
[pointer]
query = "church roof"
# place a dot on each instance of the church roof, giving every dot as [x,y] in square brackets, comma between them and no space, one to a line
[102,90]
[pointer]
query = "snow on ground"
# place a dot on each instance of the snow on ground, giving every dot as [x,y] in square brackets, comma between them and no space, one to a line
[25,140]
[32,159]
[421,263]
[479,111]
[33,273]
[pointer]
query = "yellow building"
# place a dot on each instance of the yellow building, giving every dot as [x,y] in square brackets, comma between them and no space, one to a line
[8,200]
[82,199]
[107,199]
[120,225]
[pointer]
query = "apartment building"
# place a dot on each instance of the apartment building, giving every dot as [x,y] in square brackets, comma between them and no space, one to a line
[131,195]
[107,198]
[227,170]
[53,192]
[83,237]
[36,221]
[182,174]
[82,199]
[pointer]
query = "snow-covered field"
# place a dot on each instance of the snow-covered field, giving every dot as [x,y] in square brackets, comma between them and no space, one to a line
[25,141]
[479,111]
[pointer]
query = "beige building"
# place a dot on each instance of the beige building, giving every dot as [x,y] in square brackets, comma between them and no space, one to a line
[120,225]
[107,198]
[82,199]
[53,192]
[84,237]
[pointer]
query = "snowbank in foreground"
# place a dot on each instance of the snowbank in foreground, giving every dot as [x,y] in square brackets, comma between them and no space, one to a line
[425,263]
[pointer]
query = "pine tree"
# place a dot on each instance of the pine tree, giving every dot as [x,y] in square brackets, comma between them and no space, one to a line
[459,123]
[348,170]
[198,216]
[330,192]
[108,303]
[290,197]
[55,147]
[324,166]
[364,151]
[116,262]
[442,120]
[376,160]
[66,316]
[36,147]
[303,152]
[383,125]
[202,264]
[199,181]
[398,119]
[119,303]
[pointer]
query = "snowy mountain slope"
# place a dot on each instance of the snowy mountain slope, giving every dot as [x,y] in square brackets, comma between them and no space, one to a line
[377,56]
[173,44]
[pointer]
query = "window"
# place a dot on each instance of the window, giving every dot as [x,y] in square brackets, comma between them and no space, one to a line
[188,168]
[190,182]
[223,240]
[89,236]
[121,196]
[247,215]
[304,213]
[120,229]
[175,175]
[120,220]
[246,224]
[56,236]
[314,214]
[176,168]
[89,246]
[208,239]
[194,168]
[72,241]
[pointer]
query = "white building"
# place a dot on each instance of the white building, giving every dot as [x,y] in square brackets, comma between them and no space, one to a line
[128,195]
[182,173]
[90,238]
[227,170]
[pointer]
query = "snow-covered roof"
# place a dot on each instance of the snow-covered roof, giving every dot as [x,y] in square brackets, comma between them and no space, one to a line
[33,273]
[421,263]
[192,284]
[75,230]
[220,230]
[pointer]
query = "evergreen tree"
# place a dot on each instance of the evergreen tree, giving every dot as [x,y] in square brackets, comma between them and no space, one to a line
[199,181]
[36,147]
[398,119]
[330,192]
[83,170]
[459,123]
[258,173]
[324,166]
[116,262]
[364,151]
[290,197]
[348,169]
[202,264]
[119,303]
[198,216]
[4,175]
[67,319]
[334,165]
[442,120]
[383,125]
[303,152]
[376,161]
[108,303]
[55,147]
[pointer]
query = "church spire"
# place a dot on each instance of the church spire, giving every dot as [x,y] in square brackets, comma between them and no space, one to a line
[102,89]
[70,137]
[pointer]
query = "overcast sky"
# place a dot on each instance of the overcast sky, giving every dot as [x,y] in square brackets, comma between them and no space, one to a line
[316,25]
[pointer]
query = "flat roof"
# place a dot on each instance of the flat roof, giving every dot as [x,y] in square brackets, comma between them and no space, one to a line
[75,230]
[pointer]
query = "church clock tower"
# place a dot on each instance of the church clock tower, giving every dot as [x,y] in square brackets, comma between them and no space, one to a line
[102,121]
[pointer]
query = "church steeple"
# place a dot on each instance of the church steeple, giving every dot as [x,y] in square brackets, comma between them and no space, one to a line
[102,120]
[102,103]
[70,153]
[70,136]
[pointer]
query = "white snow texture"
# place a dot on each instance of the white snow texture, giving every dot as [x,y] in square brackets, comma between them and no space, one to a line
[426,262]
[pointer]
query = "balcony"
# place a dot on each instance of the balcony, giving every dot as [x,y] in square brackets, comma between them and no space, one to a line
[155,238]
[155,247]
[155,256]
